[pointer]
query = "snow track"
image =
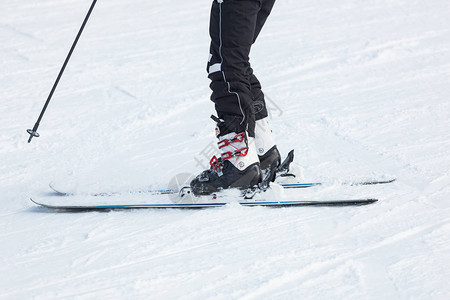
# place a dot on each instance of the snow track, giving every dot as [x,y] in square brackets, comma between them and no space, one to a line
[360,90]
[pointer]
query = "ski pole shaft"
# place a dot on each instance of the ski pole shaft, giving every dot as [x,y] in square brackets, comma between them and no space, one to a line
[33,132]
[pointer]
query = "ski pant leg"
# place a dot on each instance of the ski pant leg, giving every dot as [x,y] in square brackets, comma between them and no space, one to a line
[234,26]
[259,102]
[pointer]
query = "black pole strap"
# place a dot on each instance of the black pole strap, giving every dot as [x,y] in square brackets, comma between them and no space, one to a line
[33,132]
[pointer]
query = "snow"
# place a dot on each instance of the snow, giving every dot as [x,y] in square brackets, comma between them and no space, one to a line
[360,90]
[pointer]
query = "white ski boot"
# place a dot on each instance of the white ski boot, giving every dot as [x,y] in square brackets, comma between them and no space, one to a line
[270,158]
[237,167]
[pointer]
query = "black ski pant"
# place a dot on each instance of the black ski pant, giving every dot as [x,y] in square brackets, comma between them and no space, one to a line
[236,92]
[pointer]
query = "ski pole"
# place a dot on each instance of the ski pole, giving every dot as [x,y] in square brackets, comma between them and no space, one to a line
[33,132]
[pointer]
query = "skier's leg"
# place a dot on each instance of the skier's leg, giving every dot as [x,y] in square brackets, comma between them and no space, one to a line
[264,12]
[267,150]
[268,153]
[232,30]
[258,96]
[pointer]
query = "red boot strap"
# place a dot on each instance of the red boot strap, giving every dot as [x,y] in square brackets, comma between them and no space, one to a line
[240,152]
[240,137]
[215,164]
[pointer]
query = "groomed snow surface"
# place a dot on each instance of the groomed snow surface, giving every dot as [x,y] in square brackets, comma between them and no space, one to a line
[360,89]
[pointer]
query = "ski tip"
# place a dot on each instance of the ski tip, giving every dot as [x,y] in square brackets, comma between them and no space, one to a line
[52,186]
[40,204]
[374,182]
[387,180]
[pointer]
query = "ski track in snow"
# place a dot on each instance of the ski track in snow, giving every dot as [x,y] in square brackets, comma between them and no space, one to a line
[359,89]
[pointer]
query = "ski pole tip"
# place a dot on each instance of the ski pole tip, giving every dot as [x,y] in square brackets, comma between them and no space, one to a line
[32,134]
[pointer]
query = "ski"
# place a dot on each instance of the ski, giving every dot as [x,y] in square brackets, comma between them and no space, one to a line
[370,182]
[171,192]
[264,195]
[283,203]
[287,175]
